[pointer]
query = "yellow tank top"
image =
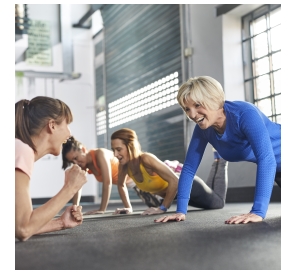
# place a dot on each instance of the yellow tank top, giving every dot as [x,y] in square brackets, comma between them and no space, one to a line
[152,184]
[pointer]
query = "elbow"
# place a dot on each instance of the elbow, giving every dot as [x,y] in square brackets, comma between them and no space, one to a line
[269,161]
[121,186]
[22,234]
[107,185]
[175,185]
[273,162]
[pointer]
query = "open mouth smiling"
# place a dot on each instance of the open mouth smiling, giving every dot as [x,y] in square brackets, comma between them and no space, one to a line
[199,120]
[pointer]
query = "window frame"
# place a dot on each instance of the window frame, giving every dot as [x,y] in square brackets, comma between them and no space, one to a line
[251,78]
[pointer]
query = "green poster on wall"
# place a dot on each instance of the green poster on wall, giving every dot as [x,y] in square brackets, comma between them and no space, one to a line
[39,44]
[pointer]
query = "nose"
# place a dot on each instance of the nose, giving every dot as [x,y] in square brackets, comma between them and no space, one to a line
[192,113]
[69,132]
[115,153]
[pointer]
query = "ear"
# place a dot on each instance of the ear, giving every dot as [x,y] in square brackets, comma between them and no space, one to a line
[83,149]
[51,126]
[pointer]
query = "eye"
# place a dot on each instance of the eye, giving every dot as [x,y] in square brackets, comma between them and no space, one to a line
[197,105]
[186,109]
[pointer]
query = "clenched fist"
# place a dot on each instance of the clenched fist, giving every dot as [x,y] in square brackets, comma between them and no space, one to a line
[75,178]
[72,217]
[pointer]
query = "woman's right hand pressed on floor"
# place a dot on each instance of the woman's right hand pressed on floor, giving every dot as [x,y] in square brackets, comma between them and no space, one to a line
[123,211]
[244,218]
[94,212]
[173,217]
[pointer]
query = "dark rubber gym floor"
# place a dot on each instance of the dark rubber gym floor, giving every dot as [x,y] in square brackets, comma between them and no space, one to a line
[135,242]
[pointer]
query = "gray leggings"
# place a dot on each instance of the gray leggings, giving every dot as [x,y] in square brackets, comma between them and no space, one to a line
[277,178]
[212,194]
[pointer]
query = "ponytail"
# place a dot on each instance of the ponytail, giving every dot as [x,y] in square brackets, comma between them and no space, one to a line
[32,116]
[22,128]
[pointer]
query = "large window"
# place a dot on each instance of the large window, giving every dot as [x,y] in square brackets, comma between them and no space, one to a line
[261,40]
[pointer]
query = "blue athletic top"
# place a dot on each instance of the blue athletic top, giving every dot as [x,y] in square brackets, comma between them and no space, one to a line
[249,136]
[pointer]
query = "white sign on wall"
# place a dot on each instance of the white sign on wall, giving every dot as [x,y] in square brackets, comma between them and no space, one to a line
[39,44]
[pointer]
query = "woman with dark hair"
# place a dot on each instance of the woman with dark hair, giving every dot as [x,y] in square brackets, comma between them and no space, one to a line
[152,175]
[41,127]
[104,166]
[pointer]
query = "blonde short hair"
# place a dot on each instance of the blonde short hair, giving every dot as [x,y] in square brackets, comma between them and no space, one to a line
[204,90]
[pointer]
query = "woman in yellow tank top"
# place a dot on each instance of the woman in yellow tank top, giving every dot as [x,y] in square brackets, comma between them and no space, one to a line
[148,172]
[158,178]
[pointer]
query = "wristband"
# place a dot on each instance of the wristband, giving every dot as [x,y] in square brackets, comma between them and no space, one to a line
[162,207]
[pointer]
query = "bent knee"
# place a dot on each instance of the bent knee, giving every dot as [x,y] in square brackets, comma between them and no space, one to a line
[215,205]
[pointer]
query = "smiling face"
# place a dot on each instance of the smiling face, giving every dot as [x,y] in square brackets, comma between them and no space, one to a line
[60,134]
[203,117]
[120,151]
[77,156]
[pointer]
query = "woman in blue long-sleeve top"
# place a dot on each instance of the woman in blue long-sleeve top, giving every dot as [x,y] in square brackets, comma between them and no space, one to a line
[239,131]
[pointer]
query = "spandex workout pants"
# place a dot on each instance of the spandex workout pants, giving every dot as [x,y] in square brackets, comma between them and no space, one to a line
[212,194]
[277,178]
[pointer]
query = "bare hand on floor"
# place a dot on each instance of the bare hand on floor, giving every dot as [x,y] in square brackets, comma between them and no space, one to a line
[94,212]
[173,217]
[244,218]
[123,211]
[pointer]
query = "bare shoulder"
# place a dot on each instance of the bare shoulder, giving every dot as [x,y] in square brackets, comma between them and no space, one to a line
[149,159]
[104,152]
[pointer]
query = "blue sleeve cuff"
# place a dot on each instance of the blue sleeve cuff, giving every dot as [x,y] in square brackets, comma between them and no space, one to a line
[163,208]
[182,205]
[260,206]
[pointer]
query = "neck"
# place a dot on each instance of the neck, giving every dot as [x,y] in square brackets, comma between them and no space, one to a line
[220,123]
[42,146]
[134,164]
[89,160]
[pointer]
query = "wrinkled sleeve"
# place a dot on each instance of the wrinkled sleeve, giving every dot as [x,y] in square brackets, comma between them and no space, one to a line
[257,134]
[193,158]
